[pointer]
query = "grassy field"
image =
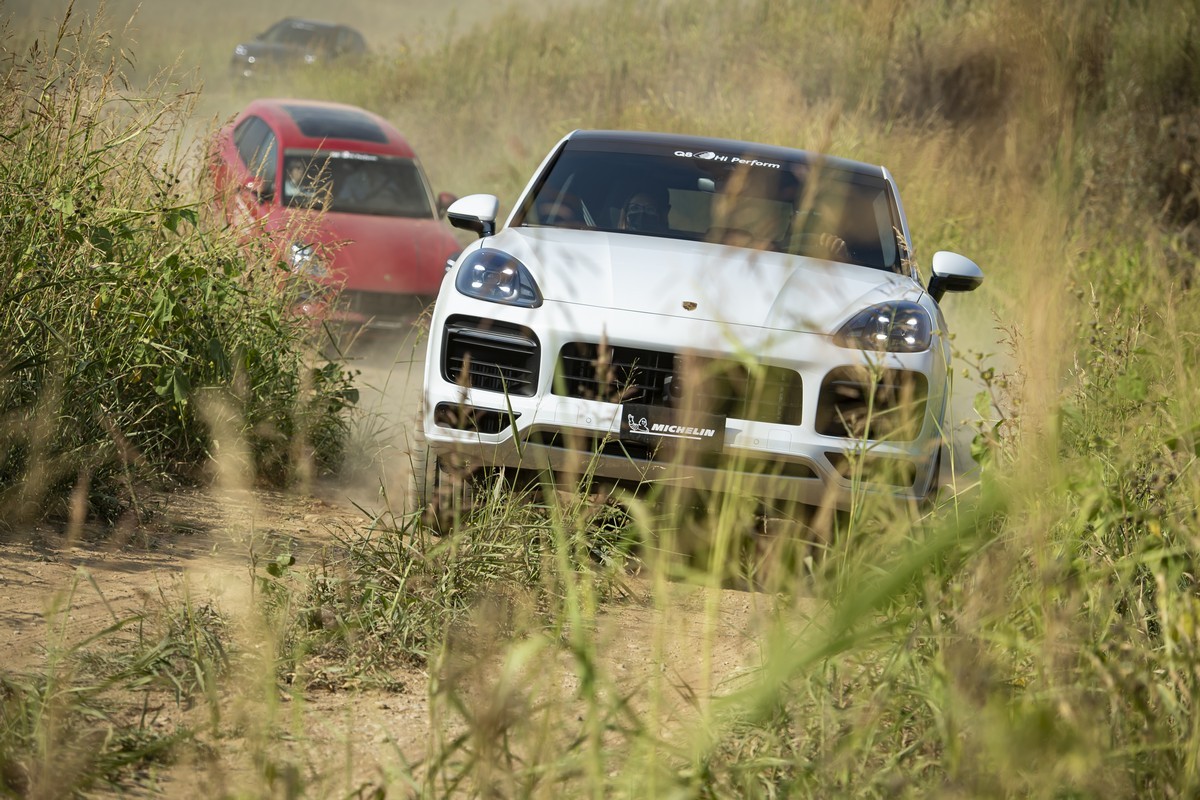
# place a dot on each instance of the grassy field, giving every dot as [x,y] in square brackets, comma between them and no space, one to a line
[193,42]
[1037,634]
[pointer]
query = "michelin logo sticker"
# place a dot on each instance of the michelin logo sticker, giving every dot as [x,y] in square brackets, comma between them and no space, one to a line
[674,431]
[682,431]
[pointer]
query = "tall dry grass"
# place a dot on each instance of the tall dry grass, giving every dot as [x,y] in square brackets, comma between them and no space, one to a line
[126,306]
[1036,634]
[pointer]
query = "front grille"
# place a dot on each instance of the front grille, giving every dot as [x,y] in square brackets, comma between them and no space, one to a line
[609,446]
[874,469]
[859,403]
[696,383]
[494,356]
[584,443]
[468,418]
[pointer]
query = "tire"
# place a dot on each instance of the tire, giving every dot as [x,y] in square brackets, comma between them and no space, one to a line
[423,483]
[420,483]
[929,501]
[438,497]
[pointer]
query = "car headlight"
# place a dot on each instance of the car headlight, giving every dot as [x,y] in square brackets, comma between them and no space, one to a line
[305,262]
[898,327]
[240,50]
[498,278]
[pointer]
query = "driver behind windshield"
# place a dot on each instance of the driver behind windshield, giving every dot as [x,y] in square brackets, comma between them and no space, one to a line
[645,211]
[296,183]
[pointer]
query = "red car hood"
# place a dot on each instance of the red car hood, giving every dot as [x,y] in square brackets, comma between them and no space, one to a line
[369,253]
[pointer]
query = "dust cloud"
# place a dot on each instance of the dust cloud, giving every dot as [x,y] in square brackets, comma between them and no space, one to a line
[223,23]
[389,370]
[190,46]
[197,39]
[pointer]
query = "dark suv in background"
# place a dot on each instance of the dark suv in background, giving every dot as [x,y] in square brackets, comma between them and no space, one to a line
[296,41]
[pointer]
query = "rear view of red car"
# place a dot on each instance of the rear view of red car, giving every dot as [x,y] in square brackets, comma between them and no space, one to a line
[343,199]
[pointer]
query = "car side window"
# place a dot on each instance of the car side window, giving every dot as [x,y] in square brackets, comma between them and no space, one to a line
[350,41]
[268,159]
[258,148]
[248,137]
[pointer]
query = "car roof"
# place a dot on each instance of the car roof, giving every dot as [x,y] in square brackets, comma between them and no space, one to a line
[321,125]
[310,23]
[704,144]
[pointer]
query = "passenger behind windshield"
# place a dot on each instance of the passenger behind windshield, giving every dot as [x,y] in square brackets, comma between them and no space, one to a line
[789,207]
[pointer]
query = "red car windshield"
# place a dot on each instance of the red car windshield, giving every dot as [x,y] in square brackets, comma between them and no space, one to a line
[355,183]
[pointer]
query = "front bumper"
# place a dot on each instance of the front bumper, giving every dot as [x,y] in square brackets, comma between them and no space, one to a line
[537,425]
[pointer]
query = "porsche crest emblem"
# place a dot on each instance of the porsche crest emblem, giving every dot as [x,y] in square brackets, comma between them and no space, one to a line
[689,305]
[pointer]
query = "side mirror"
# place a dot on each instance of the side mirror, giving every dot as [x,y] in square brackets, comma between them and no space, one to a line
[475,212]
[444,201]
[262,190]
[953,273]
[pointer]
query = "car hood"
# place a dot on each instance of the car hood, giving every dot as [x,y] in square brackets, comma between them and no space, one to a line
[699,280]
[377,253]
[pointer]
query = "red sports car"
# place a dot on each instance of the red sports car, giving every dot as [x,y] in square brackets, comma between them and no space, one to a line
[343,199]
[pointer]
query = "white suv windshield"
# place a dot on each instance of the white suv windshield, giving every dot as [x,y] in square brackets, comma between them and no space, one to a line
[804,209]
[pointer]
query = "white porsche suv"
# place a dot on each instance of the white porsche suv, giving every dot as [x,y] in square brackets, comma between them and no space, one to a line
[719,315]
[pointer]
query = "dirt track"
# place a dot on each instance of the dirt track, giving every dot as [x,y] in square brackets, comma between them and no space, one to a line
[205,545]
[55,594]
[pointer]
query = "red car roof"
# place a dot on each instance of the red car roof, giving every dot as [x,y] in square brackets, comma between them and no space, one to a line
[319,125]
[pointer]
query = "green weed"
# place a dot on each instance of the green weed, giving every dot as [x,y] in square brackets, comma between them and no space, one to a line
[124,308]
[90,718]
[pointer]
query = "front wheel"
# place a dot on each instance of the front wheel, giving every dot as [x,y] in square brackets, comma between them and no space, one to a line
[929,501]
[439,496]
